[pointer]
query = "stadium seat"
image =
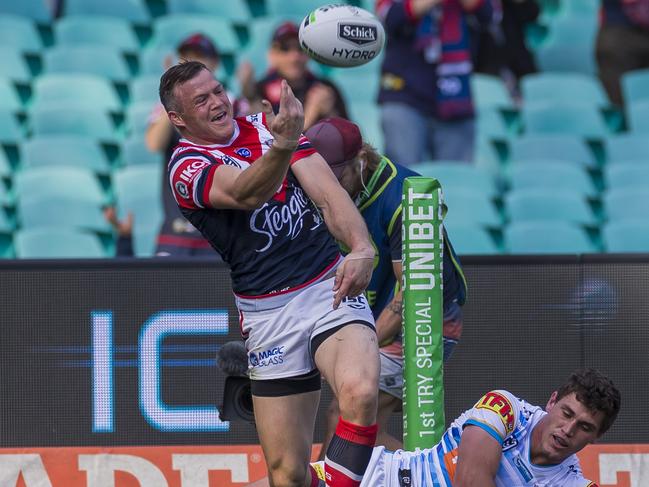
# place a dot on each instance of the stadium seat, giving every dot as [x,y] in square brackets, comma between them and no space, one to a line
[547,237]
[490,123]
[577,58]
[5,167]
[489,92]
[36,10]
[357,86]
[55,242]
[628,235]
[134,11]
[553,205]
[568,148]
[627,175]
[551,175]
[9,99]
[10,129]
[134,152]
[63,120]
[638,116]
[153,60]
[624,203]
[91,30]
[6,195]
[6,236]
[64,150]
[236,11]
[635,85]
[301,8]
[19,32]
[76,90]
[471,239]
[6,225]
[145,89]
[104,61]
[468,207]
[13,65]
[367,116]
[62,212]
[561,118]
[170,30]
[627,147]
[60,182]
[455,175]
[137,117]
[563,88]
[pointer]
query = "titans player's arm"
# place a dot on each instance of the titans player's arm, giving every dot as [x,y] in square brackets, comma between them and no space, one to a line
[388,323]
[478,458]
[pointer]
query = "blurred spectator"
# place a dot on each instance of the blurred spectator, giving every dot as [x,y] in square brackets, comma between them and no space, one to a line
[502,50]
[425,95]
[287,60]
[177,236]
[622,43]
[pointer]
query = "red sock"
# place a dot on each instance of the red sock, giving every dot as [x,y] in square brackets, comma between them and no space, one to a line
[349,453]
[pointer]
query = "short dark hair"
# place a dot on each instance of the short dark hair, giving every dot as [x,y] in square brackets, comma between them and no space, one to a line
[595,391]
[174,76]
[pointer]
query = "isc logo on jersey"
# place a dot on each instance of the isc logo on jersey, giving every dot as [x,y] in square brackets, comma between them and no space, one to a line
[499,404]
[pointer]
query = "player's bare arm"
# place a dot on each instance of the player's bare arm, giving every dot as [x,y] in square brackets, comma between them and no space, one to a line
[389,321]
[252,187]
[344,222]
[478,459]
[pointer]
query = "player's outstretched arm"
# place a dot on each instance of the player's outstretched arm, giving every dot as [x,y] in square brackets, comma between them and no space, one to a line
[251,188]
[344,222]
[478,458]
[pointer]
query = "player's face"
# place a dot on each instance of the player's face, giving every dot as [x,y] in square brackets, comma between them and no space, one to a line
[569,426]
[206,113]
[350,179]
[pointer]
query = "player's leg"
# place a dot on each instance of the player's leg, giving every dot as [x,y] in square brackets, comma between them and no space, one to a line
[285,428]
[348,359]
[331,421]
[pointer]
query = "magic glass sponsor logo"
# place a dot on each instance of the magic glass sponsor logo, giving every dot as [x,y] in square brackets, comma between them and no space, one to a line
[359,34]
[267,358]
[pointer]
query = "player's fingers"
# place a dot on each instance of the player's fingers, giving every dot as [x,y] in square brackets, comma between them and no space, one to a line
[267,108]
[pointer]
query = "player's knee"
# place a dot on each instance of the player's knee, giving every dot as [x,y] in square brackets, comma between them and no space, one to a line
[358,400]
[282,474]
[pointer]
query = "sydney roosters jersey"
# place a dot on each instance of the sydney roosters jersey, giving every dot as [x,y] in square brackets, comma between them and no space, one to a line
[276,247]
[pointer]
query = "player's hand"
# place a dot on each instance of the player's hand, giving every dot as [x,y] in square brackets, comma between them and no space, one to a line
[288,124]
[267,108]
[353,276]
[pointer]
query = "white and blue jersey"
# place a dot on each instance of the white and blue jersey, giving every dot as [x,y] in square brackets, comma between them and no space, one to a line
[509,420]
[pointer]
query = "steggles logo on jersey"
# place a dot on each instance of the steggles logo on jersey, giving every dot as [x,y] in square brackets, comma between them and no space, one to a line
[287,219]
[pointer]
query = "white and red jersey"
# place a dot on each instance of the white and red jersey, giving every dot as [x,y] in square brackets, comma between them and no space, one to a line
[274,248]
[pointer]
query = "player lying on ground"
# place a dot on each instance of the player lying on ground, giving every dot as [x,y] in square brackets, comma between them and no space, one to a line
[504,441]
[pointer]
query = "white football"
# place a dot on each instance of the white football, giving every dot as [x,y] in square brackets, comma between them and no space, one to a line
[341,35]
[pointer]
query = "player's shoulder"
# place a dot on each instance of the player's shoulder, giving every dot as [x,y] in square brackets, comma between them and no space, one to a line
[497,412]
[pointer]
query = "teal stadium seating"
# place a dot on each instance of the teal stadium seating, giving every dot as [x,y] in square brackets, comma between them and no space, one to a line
[627,175]
[629,235]
[135,11]
[455,175]
[91,30]
[134,152]
[547,237]
[301,8]
[638,116]
[137,116]
[560,147]
[104,61]
[63,212]
[5,166]
[635,85]
[627,147]
[584,120]
[624,203]
[36,10]
[55,242]
[490,92]
[569,45]
[236,11]
[19,32]
[550,175]
[468,207]
[549,204]
[170,30]
[14,66]
[9,98]
[563,88]
[471,239]
[80,90]
[64,120]
[145,89]
[11,130]
[64,150]
[61,182]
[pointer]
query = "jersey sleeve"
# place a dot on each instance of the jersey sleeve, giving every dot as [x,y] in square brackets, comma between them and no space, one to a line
[496,413]
[394,234]
[304,149]
[191,179]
